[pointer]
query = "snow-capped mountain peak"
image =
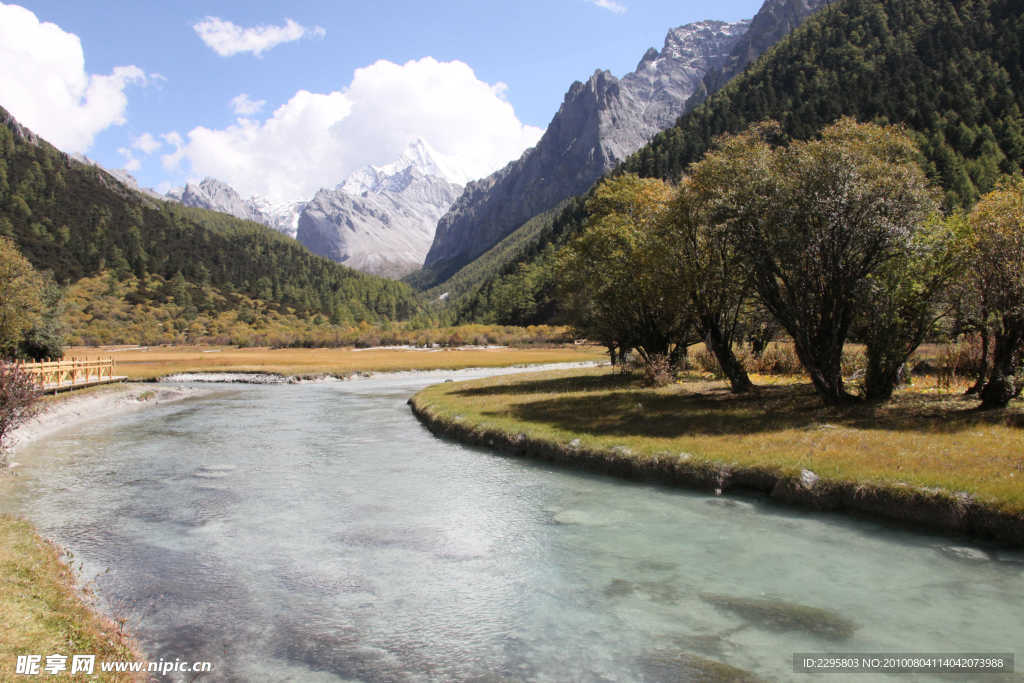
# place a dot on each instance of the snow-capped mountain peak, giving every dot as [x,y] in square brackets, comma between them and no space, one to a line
[381,219]
[428,161]
[418,157]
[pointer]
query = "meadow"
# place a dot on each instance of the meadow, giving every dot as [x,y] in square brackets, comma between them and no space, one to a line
[146,363]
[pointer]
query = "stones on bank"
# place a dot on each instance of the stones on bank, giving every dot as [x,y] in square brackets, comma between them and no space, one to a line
[935,509]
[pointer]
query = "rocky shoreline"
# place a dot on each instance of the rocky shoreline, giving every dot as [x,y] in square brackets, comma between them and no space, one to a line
[922,508]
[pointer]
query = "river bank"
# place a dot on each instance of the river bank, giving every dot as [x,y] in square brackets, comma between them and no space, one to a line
[43,611]
[695,438]
[77,407]
[45,608]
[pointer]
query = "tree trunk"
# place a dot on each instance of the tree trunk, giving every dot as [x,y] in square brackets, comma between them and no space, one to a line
[613,354]
[1003,384]
[678,359]
[880,378]
[731,366]
[986,362]
[825,368]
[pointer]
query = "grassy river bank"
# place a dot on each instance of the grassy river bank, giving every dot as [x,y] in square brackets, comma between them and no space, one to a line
[929,458]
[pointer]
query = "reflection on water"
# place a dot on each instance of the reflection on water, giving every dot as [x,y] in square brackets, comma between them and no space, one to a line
[317,532]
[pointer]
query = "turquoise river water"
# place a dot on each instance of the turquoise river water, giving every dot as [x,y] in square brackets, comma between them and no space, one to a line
[317,532]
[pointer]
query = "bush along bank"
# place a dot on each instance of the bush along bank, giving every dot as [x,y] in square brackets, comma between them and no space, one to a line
[920,507]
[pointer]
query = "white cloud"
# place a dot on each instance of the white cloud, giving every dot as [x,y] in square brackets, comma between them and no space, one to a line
[146,143]
[172,161]
[45,86]
[165,186]
[500,90]
[227,39]
[244,106]
[131,164]
[609,5]
[315,140]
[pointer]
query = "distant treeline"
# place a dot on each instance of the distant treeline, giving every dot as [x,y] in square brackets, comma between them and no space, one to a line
[106,309]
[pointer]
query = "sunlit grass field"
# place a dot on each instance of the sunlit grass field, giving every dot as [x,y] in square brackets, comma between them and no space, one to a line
[930,435]
[41,612]
[151,362]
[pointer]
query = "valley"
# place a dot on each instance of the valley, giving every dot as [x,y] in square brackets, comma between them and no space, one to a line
[451,354]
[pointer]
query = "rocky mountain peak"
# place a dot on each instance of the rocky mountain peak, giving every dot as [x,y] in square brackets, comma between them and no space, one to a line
[773,22]
[600,123]
[19,130]
[381,219]
[649,56]
[216,195]
[417,159]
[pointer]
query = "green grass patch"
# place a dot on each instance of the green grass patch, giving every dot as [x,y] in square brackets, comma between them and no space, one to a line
[929,436]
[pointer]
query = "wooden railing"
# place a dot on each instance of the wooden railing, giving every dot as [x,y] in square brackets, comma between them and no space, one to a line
[65,373]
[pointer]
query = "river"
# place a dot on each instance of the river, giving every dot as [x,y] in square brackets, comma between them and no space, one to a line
[317,532]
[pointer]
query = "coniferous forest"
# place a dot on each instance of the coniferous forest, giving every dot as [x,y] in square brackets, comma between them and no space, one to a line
[76,221]
[951,72]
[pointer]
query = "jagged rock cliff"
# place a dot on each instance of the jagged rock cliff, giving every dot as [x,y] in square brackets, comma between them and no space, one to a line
[775,20]
[600,123]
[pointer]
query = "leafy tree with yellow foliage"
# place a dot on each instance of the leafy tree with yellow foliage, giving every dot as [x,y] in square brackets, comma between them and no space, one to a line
[613,290]
[997,224]
[21,298]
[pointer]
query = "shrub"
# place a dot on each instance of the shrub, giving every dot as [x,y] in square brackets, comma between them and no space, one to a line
[19,395]
[656,371]
[702,359]
[961,359]
[853,362]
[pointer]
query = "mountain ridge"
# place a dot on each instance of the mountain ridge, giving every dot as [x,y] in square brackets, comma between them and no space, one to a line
[379,220]
[599,124]
[952,73]
[77,220]
[216,195]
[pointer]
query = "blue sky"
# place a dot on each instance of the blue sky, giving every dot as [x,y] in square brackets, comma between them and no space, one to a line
[153,89]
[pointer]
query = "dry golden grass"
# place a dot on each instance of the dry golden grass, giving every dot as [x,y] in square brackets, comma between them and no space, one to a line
[928,436]
[41,613]
[158,361]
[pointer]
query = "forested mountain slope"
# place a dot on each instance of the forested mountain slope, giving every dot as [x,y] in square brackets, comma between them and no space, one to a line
[600,123]
[76,221]
[952,71]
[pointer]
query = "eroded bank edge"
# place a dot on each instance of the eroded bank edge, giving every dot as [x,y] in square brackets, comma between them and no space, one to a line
[922,508]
